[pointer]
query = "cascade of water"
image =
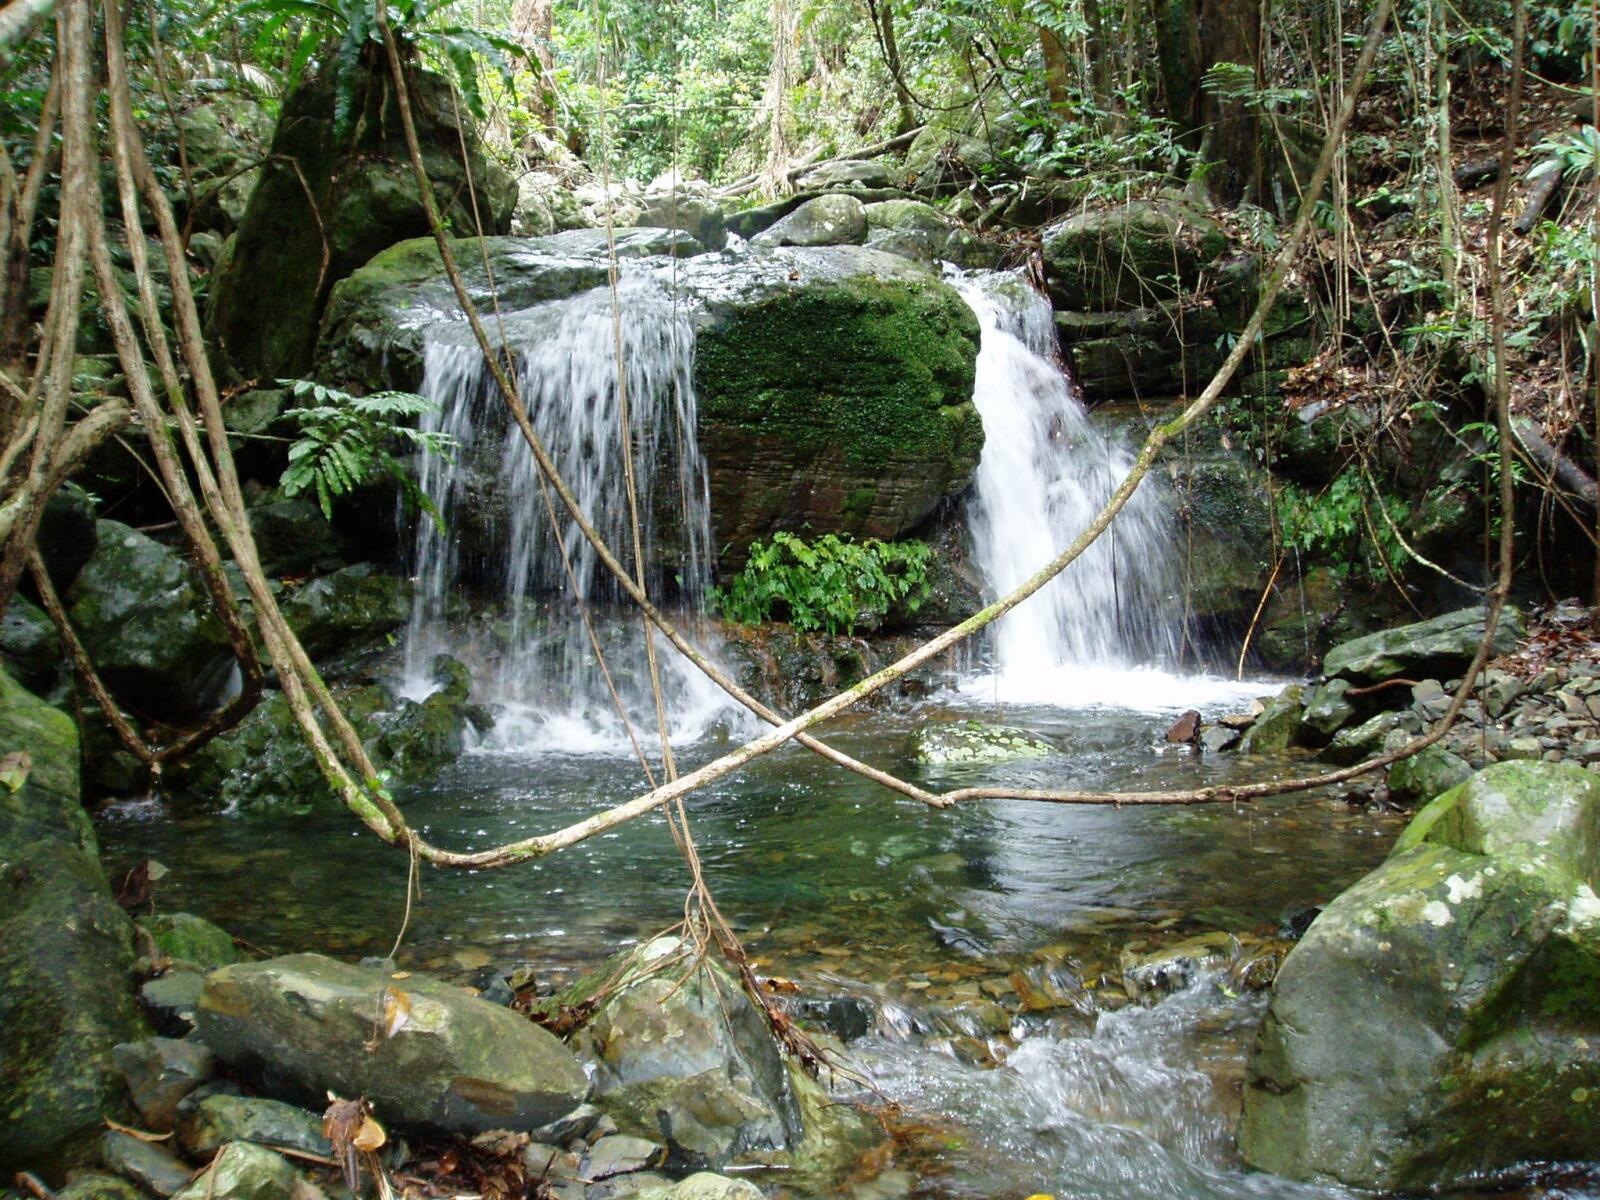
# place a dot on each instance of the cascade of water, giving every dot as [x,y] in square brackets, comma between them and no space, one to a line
[1045,472]
[496,528]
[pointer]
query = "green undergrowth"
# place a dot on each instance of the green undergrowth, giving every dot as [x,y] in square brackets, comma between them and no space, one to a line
[831,583]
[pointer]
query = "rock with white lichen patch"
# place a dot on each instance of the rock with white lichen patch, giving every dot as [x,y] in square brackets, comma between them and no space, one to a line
[1442,1017]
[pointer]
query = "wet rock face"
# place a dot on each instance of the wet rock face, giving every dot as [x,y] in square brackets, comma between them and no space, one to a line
[1438,1018]
[147,624]
[834,383]
[302,1025]
[66,952]
[832,220]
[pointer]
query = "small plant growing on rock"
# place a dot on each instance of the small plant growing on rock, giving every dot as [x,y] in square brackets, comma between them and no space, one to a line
[344,439]
[831,583]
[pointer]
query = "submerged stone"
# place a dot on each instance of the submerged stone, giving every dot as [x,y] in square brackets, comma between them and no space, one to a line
[189,938]
[1438,1019]
[160,1072]
[971,742]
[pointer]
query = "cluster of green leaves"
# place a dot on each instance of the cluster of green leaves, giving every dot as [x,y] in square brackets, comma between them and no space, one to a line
[345,440]
[1342,526]
[831,583]
[343,35]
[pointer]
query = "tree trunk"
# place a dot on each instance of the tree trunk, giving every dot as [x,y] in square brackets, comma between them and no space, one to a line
[775,173]
[883,14]
[1057,72]
[533,22]
[1192,36]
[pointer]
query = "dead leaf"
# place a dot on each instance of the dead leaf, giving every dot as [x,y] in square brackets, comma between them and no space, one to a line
[340,1122]
[141,1134]
[14,769]
[396,1011]
[370,1137]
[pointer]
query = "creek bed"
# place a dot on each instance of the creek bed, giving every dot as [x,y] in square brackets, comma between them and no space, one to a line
[851,891]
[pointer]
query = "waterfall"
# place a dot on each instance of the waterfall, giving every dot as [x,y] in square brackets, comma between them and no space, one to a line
[541,672]
[1045,472]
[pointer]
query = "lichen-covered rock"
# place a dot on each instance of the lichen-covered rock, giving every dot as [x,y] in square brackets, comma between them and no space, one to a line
[851,173]
[962,743]
[292,536]
[223,142]
[831,220]
[1278,726]
[682,1054]
[448,1061]
[148,625]
[269,292]
[1430,772]
[1131,256]
[93,1185]
[66,952]
[1438,1019]
[1436,648]
[922,233]
[31,646]
[689,1059]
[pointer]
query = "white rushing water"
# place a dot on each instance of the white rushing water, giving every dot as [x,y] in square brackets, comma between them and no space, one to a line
[1110,629]
[543,676]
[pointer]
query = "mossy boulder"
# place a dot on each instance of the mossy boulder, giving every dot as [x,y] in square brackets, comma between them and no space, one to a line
[244,1171]
[1278,726]
[31,647]
[447,1061]
[223,141]
[922,233]
[1430,772]
[354,605]
[1432,649]
[1438,1019]
[66,953]
[67,534]
[192,939]
[148,626]
[1134,255]
[841,401]
[269,292]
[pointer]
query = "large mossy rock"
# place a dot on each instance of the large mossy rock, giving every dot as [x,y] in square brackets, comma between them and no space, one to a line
[683,1055]
[834,383]
[831,220]
[148,625]
[347,608]
[66,952]
[1128,257]
[844,405]
[442,1060]
[270,288]
[1433,649]
[1440,1018]
[974,743]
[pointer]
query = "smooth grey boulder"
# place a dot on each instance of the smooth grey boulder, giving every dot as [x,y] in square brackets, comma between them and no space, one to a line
[160,1072]
[1440,1018]
[244,1171]
[861,173]
[704,1185]
[149,1164]
[832,220]
[148,625]
[1438,648]
[961,743]
[302,1025]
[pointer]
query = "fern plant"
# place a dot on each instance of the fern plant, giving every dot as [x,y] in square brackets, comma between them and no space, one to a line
[830,583]
[345,439]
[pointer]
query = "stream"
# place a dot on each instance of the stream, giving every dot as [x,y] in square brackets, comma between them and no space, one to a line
[851,891]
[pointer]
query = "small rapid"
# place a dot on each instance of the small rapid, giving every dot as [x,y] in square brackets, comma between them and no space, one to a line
[1112,629]
[544,677]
